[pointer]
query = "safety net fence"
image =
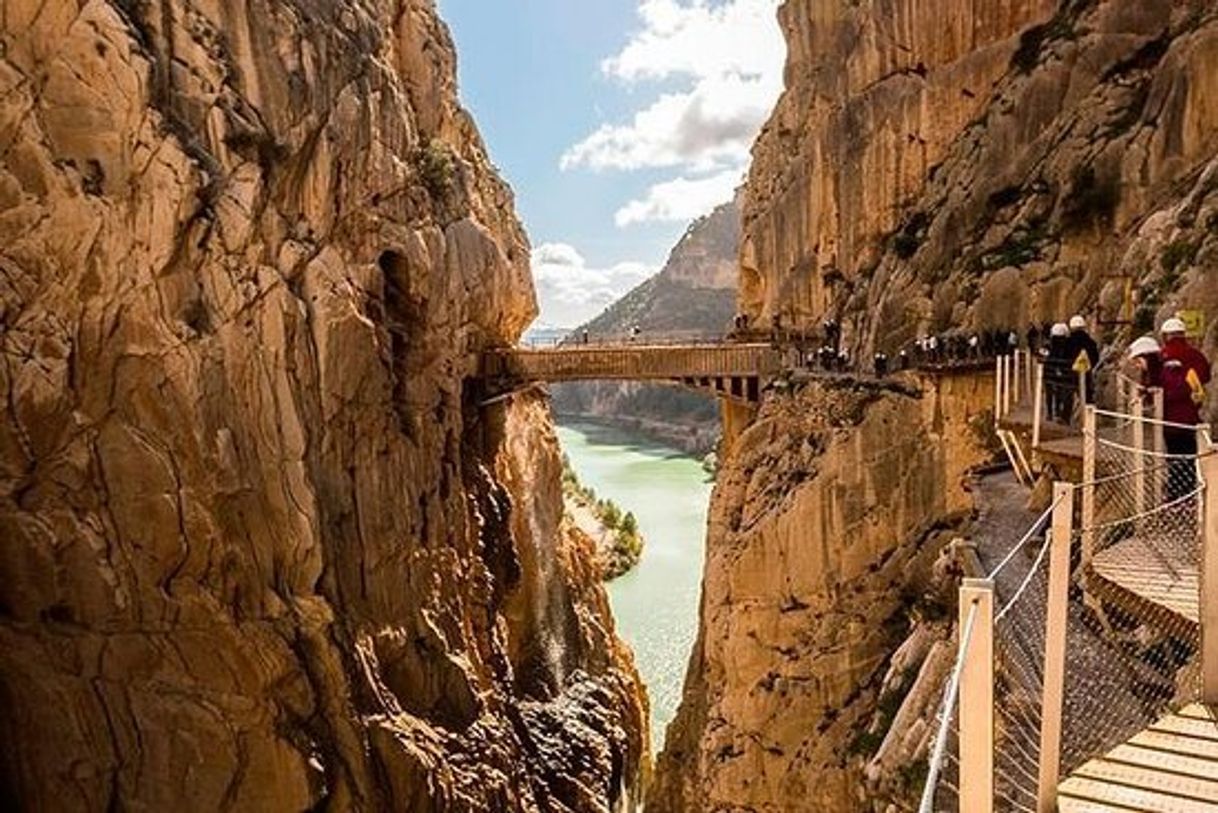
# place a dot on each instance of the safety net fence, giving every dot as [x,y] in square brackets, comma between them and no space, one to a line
[1133,637]
[1125,615]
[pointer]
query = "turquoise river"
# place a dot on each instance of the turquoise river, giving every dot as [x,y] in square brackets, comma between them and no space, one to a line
[656,604]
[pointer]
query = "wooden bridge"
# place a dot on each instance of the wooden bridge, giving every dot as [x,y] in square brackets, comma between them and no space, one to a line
[733,370]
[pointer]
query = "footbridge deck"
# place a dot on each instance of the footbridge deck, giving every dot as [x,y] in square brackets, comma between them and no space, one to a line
[734,370]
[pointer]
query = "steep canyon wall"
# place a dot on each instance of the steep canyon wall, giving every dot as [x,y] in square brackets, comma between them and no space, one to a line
[825,523]
[931,167]
[261,548]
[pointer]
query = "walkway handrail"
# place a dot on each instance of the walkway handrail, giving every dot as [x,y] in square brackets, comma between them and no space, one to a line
[946,712]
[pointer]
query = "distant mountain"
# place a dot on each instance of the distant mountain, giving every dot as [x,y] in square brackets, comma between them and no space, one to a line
[693,297]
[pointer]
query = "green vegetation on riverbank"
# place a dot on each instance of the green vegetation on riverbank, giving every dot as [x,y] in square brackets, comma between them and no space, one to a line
[621,545]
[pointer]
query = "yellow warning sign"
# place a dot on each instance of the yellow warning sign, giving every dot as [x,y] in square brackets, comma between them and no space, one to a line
[1082,364]
[1194,322]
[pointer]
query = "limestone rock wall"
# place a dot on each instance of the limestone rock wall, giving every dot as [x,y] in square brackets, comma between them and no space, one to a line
[876,94]
[262,549]
[825,520]
[916,179]
[931,167]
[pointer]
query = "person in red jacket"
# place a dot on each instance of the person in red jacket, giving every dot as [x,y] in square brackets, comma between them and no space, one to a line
[1185,373]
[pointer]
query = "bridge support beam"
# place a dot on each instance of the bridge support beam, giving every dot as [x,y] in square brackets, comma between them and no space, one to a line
[736,418]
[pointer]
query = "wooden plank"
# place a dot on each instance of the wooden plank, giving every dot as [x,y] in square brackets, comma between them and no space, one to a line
[1203,746]
[1150,576]
[1165,761]
[1179,725]
[1152,779]
[1079,795]
[1198,711]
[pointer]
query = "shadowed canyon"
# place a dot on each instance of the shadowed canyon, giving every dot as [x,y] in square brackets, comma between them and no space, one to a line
[271,538]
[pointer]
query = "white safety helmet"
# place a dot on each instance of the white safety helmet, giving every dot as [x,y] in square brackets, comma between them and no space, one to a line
[1173,325]
[1078,323]
[1060,329]
[1144,346]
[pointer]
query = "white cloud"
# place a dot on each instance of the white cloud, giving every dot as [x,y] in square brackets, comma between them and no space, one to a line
[729,56]
[681,199]
[711,126]
[570,292]
[698,39]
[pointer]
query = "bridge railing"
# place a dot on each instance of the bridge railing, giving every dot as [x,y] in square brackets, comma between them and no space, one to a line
[633,361]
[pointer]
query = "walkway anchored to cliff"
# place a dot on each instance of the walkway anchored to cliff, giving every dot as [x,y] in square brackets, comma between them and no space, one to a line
[1087,670]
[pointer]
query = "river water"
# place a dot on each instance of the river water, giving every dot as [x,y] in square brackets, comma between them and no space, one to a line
[656,604]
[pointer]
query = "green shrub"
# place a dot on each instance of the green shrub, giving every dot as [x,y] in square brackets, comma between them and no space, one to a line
[436,167]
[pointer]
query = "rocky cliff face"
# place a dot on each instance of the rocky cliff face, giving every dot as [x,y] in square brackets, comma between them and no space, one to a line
[931,166]
[997,169]
[262,549]
[825,524]
[692,297]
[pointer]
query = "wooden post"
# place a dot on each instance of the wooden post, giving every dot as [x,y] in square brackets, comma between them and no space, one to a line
[1158,443]
[1006,384]
[997,390]
[1089,447]
[1082,391]
[1141,460]
[1038,406]
[1055,647]
[1029,361]
[1209,571]
[977,699]
[1016,381]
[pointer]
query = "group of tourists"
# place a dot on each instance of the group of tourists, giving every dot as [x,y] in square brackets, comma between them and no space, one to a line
[1182,372]
[1070,355]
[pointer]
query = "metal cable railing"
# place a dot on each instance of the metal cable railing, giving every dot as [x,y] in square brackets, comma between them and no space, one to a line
[1119,591]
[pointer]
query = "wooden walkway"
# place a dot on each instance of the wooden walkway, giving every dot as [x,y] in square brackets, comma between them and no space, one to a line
[1170,766]
[1146,577]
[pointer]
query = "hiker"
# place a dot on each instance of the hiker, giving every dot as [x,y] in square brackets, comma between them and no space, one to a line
[1147,357]
[1059,377]
[1185,373]
[585,335]
[1033,337]
[880,363]
[833,334]
[1081,343]
[634,332]
[903,360]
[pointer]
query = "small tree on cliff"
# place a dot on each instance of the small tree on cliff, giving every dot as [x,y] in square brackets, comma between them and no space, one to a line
[629,524]
[611,515]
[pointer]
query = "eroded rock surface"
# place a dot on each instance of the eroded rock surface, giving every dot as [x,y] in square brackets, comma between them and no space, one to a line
[262,549]
[931,167]
[824,523]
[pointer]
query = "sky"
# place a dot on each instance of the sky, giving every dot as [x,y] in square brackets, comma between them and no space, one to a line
[616,122]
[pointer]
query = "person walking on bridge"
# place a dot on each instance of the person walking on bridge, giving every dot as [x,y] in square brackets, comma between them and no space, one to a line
[1081,343]
[1186,372]
[1059,386]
